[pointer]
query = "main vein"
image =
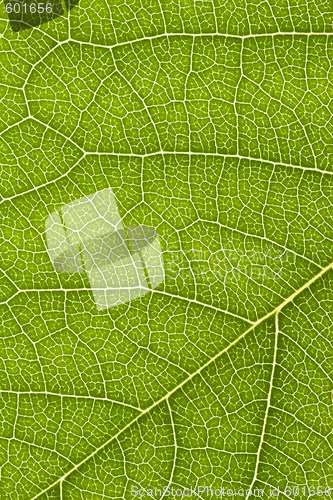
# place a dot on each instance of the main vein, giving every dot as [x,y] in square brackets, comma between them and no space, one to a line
[276,311]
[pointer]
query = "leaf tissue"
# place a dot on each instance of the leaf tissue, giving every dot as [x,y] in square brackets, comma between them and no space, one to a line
[209,125]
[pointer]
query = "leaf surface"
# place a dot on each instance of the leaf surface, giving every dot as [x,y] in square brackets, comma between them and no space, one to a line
[212,122]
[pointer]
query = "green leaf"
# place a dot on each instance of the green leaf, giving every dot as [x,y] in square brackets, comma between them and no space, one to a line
[212,123]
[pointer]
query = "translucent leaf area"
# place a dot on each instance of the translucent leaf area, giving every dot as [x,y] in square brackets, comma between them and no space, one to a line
[211,123]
